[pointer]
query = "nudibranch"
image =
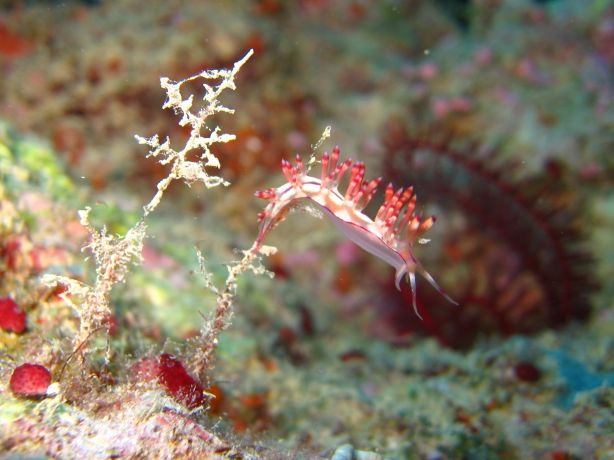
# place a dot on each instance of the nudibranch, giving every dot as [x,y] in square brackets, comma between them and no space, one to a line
[390,236]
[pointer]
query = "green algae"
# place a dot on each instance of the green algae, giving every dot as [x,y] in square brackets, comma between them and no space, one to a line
[28,163]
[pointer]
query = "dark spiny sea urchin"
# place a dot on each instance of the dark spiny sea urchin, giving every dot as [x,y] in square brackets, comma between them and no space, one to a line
[513,253]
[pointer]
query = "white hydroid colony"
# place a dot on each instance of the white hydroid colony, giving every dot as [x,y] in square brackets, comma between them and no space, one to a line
[390,236]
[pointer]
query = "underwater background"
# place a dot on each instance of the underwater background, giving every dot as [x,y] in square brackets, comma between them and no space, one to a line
[500,113]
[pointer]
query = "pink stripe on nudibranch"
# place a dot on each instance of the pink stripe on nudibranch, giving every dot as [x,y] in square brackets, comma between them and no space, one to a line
[390,236]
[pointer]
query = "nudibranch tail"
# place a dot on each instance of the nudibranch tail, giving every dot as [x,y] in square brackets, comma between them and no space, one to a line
[390,236]
[427,276]
[410,274]
[414,300]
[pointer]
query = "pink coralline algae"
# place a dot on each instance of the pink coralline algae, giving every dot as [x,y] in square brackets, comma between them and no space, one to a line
[12,318]
[30,381]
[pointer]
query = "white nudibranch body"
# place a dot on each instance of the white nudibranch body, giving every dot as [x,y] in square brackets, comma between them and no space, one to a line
[390,236]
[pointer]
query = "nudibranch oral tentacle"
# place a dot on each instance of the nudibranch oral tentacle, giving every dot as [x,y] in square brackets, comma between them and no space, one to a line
[390,236]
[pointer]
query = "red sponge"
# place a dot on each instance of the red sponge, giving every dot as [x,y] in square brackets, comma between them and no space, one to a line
[179,384]
[12,318]
[30,381]
[169,372]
